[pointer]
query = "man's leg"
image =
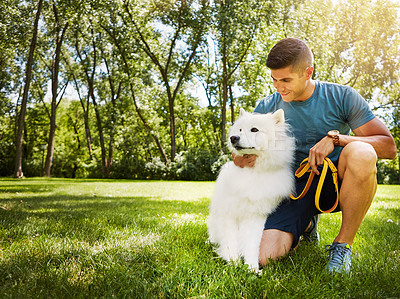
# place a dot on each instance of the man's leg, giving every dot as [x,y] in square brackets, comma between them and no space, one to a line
[274,244]
[357,170]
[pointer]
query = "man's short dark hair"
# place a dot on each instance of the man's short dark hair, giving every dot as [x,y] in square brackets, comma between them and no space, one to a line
[290,52]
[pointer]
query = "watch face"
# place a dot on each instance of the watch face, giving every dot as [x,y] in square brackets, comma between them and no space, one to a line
[333,133]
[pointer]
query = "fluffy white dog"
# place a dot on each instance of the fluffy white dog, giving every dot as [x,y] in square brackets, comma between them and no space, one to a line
[244,197]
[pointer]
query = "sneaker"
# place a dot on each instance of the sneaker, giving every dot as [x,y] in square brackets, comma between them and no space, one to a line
[311,235]
[339,257]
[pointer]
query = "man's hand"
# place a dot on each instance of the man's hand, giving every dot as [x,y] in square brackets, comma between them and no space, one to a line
[244,161]
[318,153]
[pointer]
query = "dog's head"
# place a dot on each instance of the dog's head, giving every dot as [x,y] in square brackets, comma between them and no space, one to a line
[257,133]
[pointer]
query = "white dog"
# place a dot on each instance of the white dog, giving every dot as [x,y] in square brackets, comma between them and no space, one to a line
[244,197]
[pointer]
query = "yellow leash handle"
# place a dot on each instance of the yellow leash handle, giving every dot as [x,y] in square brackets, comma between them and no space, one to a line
[304,168]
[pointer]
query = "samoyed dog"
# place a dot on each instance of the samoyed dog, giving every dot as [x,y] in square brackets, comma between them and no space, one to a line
[243,197]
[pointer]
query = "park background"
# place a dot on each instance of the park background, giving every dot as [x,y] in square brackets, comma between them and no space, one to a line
[95,91]
[148,89]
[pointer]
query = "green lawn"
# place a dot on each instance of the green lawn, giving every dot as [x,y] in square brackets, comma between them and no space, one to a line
[134,239]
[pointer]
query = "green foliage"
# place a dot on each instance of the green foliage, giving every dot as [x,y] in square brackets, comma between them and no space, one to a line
[343,50]
[191,165]
[107,238]
[388,172]
[7,149]
[160,80]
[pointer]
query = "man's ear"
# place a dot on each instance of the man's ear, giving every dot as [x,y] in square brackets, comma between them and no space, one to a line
[309,72]
[279,116]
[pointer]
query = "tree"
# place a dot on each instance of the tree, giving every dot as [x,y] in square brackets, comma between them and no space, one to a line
[70,153]
[232,69]
[85,105]
[135,66]
[81,65]
[21,119]
[170,39]
[354,42]
[235,28]
[8,44]
[132,64]
[87,41]
[56,94]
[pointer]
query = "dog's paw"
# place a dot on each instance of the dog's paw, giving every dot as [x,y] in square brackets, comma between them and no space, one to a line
[228,255]
[254,268]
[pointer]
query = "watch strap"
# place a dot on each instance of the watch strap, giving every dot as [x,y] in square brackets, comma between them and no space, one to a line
[336,141]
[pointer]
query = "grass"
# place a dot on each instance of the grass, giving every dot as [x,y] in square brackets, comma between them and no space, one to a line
[133,239]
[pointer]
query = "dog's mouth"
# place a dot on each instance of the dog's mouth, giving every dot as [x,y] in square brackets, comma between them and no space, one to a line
[240,148]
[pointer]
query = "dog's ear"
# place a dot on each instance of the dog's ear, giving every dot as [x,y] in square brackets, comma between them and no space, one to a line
[242,112]
[279,116]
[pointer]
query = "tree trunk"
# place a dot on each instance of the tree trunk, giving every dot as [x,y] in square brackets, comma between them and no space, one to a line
[148,128]
[172,128]
[232,104]
[87,128]
[54,103]
[115,93]
[101,135]
[112,139]
[78,140]
[224,97]
[84,109]
[90,85]
[50,144]
[85,119]
[223,114]
[21,120]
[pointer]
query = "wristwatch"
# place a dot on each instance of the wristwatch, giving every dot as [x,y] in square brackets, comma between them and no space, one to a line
[334,134]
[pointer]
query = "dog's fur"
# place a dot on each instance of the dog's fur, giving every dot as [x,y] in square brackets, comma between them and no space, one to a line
[244,197]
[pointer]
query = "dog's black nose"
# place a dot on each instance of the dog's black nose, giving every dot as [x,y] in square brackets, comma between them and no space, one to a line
[235,139]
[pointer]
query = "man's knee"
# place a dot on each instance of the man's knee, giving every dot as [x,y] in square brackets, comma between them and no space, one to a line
[360,152]
[359,157]
[274,244]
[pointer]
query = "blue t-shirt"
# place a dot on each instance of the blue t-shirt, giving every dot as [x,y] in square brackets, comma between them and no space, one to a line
[331,107]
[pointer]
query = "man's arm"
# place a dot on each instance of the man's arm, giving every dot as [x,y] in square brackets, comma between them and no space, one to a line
[373,132]
[377,134]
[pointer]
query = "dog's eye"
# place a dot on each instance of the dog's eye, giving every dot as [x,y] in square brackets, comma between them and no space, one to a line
[254,130]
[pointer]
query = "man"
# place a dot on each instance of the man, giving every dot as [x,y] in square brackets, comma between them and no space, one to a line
[313,109]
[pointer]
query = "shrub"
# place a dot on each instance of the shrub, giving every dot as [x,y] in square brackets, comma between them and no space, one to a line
[193,165]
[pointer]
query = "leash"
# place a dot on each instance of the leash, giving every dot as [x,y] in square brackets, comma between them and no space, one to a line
[304,168]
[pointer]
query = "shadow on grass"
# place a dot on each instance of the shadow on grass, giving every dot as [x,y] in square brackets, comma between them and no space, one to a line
[70,204]
[79,246]
[89,218]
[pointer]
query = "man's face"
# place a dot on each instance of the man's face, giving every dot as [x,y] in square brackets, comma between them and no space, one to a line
[293,86]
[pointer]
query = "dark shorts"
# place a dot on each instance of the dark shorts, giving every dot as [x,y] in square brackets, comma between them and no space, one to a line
[294,216]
